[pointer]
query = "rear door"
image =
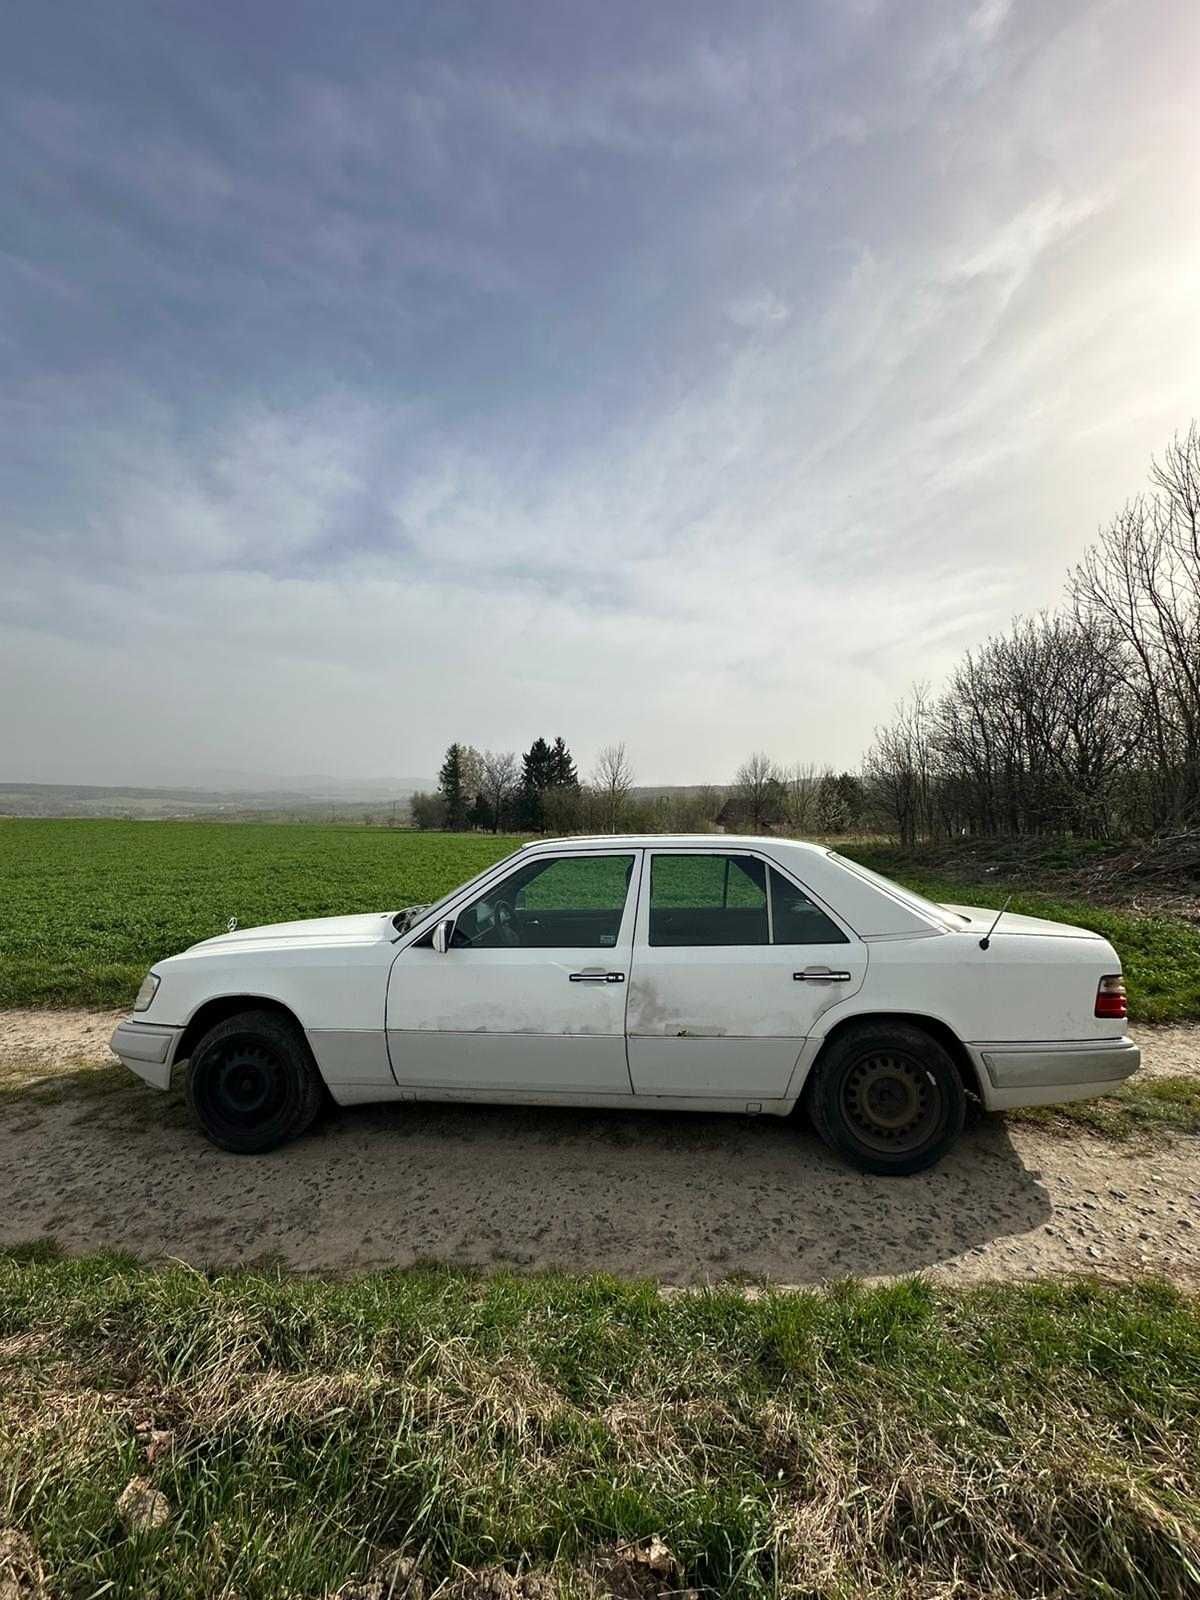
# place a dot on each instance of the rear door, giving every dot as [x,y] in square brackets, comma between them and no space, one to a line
[530,996]
[733,962]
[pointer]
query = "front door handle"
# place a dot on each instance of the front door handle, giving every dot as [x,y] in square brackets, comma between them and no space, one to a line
[822,975]
[596,975]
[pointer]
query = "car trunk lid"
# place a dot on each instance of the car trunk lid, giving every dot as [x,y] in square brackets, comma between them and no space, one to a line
[979,919]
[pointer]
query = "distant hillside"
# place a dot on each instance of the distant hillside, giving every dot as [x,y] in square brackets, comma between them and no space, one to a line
[668,791]
[349,803]
[379,800]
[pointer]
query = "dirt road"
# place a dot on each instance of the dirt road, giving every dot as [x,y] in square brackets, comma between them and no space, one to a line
[95,1159]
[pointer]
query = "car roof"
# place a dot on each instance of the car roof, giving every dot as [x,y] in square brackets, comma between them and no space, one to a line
[871,906]
[646,841]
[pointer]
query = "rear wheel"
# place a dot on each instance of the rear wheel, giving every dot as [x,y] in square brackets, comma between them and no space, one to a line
[888,1097]
[252,1082]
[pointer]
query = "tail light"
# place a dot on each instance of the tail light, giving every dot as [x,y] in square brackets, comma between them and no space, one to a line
[1110,997]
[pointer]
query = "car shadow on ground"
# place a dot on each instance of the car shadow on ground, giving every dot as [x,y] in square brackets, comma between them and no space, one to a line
[685,1198]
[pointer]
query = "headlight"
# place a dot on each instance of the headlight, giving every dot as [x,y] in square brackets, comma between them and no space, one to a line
[146,993]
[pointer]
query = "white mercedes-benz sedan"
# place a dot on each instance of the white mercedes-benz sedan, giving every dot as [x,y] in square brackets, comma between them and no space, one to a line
[703,972]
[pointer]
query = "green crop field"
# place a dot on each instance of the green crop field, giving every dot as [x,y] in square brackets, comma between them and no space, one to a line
[86,906]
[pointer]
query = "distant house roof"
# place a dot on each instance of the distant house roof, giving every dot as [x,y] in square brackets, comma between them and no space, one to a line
[736,813]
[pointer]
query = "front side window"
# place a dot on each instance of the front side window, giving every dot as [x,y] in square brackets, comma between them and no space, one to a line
[723,900]
[555,903]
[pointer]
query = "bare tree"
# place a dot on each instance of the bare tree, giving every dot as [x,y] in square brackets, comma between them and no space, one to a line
[706,805]
[1034,733]
[612,779]
[562,808]
[800,785]
[1143,579]
[899,768]
[471,766]
[759,791]
[1082,721]
[498,782]
[688,811]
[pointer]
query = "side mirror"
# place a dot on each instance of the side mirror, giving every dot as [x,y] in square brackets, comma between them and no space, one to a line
[442,935]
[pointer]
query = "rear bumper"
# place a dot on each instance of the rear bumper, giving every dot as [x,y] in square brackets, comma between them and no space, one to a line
[148,1049]
[1043,1074]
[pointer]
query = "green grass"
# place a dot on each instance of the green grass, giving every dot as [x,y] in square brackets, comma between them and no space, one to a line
[1142,1108]
[895,1441]
[1160,955]
[86,906]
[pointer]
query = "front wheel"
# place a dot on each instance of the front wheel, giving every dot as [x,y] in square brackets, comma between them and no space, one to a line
[888,1097]
[252,1082]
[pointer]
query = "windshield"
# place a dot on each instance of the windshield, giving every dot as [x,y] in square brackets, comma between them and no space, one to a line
[409,916]
[929,908]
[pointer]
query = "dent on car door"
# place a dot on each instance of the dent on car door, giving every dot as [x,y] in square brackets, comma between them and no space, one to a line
[530,995]
[733,963]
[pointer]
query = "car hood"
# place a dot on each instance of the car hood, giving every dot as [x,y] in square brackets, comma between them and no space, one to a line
[981,919]
[368,928]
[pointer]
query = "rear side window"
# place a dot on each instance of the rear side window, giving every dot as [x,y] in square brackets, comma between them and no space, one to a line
[722,900]
[708,900]
[795,919]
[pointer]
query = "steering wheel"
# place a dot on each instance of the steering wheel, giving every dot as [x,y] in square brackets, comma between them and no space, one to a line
[500,926]
[503,917]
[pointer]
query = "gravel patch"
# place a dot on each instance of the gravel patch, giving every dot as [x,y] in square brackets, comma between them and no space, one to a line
[683,1199]
[37,1042]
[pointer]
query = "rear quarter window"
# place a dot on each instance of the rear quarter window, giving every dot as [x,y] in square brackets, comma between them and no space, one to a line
[795,919]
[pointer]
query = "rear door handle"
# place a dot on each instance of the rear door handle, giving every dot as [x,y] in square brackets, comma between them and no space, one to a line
[596,975]
[822,975]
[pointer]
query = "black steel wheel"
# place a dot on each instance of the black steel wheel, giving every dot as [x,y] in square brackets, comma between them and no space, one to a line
[252,1082]
[889,1097]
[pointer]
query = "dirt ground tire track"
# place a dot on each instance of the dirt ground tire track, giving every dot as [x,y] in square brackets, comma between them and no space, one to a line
[684,1199]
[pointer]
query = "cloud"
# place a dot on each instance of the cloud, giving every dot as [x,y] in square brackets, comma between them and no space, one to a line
[1014,249]
[757,312]
[989,17]
[697,381]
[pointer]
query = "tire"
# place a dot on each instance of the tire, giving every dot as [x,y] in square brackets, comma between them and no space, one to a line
[252,1083]
[888,1097]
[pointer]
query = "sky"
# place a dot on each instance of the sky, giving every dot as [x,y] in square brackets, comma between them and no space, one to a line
[694,375]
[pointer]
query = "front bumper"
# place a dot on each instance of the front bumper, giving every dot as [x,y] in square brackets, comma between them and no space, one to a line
[148,1049]
[1047,1074]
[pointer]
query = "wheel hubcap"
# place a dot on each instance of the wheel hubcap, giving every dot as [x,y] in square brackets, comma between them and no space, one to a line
[243,1084]
[891,1101]
[246,1081]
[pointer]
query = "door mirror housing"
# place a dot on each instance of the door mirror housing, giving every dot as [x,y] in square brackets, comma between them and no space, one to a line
[442,935]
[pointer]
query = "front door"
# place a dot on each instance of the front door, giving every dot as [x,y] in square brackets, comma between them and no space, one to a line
[733,963]
[530,996]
